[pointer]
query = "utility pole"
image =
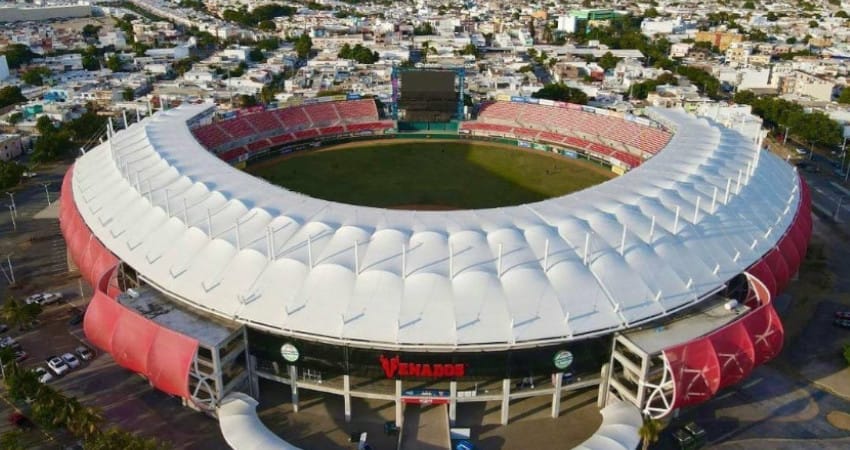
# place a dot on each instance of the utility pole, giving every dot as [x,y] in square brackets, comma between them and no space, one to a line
[46,192]
[14,207]
[838,209]
[11,271]
[12,215]
[785,139]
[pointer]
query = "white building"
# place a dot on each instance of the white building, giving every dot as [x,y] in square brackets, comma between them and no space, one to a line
[4,68]
[10,146]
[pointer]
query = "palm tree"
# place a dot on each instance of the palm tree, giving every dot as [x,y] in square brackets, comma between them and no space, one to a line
[649,431]
[86,423]
[7,357]
[11,312]
[12,440]
[29,313]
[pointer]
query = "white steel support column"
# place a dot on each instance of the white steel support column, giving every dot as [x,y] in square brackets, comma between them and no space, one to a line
[452,402]
[293,383]
[556,396]
[217,374]
[346,395]
[506,400]
[399,407]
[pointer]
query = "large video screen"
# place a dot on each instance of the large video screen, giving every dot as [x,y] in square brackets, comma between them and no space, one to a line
[428,95]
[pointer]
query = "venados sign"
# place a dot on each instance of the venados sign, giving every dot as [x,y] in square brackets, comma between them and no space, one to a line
[394,367]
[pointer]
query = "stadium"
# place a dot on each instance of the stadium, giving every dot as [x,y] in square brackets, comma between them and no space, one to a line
[655,285]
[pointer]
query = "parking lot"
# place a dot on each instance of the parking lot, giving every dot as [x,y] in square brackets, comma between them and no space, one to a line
[36,250]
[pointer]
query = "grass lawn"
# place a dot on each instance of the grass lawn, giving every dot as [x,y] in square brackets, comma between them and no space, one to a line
[435,174]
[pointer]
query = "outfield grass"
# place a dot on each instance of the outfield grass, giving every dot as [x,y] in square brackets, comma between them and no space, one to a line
[430,175]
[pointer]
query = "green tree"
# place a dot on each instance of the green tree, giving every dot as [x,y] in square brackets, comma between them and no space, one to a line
[12,440]
[50,147]
[303,46]
[423,29]
[749,5]
[90,31]
[17,55]
[791,40]
[113,63]
[842,14]
[128,94]
[814,24]
[771,16]
[10,174]
[267,25]
[608,61]
[35,76]
[15,117]
[10,95]
[844,97]
[470,49]
[561,92]
[91,63]
[256,55]
[649,432]
[651,13]
[846,353]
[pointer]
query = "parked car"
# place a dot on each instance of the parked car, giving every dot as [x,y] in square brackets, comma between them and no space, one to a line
[21,421]
[842,314]
[21,355]
[76,319]
[801,151]
[8,341]
[843,323]
[43,375]
[85,353]
[50,298]
[34,298]
[57,365]
[71,360]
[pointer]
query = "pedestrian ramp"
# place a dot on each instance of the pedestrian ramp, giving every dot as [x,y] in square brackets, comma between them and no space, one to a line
[425,427]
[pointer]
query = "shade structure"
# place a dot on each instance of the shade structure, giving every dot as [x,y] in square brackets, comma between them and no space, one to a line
[696,371]
[683,224]
[135,342]
[242,428]
[735,353]
[727,355]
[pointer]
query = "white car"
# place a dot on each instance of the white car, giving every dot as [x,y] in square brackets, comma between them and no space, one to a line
[50,297]
[57,365]
[43,375]
[71,360]
[34,298]
[801,151]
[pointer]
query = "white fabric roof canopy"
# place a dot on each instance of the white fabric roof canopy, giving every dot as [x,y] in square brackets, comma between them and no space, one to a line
[239,247]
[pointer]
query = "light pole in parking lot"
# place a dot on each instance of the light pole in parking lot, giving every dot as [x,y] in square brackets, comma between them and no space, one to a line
[12,215]
[785,139]
[46,192]
[14,207]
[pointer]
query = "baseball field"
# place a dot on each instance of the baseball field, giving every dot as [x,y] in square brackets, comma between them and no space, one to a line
[423,175]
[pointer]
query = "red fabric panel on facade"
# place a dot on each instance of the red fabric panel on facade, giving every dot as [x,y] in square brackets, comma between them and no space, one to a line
[779,268]
[169,361]
[132,340]
[798,235]
[696,371]
[90,254]
[100,320]
[735,353]
[790,253]
[761,270]
[765,331]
